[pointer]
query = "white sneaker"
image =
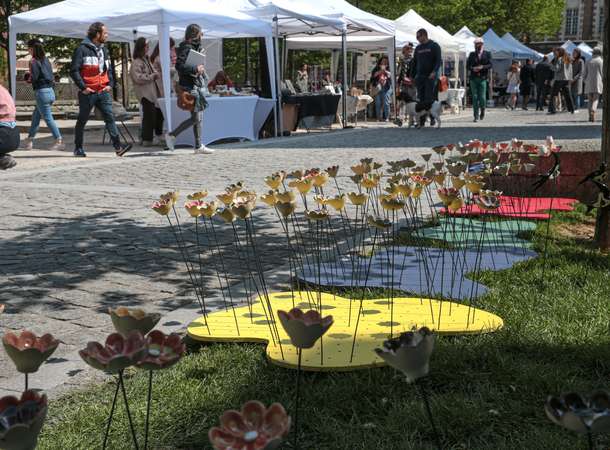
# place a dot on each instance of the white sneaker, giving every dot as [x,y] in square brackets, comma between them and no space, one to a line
[27,144]
[58,145]
[170,141]
[203,150]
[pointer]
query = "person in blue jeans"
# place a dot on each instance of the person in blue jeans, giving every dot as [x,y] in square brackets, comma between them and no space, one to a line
[90,71]
[42,79]
[382,78]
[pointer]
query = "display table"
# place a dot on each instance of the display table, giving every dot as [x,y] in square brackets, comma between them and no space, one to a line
[315,111]
[240,117]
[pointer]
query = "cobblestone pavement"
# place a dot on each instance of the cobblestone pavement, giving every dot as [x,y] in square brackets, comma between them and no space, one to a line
[78,235]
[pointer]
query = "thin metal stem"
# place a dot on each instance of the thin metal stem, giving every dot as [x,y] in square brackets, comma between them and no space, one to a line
[133,431]
[111,415]
[148,403]
[296,401]
[424,397]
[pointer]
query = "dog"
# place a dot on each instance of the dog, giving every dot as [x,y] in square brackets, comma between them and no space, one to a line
[413,116]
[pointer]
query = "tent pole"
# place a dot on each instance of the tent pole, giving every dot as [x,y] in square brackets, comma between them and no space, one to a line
[12,61]
[344,77]
[163,33]
[280,120]
[394,80]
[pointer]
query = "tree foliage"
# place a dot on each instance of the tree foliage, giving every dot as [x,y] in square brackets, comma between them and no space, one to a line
[534,19]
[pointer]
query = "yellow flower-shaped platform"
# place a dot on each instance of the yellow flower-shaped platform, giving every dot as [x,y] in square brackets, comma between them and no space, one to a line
[333,351]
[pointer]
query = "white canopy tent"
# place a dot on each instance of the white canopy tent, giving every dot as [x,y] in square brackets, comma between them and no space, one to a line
[410,22]
[124,20]
[569,47]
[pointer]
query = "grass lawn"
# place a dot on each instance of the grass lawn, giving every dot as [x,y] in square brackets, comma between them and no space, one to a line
[487,392]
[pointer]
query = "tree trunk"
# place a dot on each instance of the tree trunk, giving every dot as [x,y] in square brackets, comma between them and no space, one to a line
[602,230]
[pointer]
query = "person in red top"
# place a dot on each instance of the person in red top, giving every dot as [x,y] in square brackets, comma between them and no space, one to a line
[221,79]
[9,133]
[91,73]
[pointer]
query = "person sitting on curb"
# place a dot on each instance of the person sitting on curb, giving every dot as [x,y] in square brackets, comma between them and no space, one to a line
[9,133]
[91,73]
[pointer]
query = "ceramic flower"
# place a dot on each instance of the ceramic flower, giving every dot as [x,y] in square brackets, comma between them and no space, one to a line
[226,214]
[162,351]
[320,214]
[197,195]
[405,189]
[357,199]
[254,428]
[171,196]
[438,165]
[580,414]
[426,156]
[488,200]
[269,198]
[410,353]
[227,197]
[451,198]
[357,179]
[286,196]
[285,208]
[235,187]
[439,178]
[21,420]
[162,207]
[332,171]
[274,181]
[474,183]
[320,199]
[320,179]
[28,351]
[193,208]
[126,320]
[408,163]
[391,204]
[116,354]
[303,185]
[370,181]
[361,169]
[380,223]
[440,149]
[208,209]
[242,207]
[457,168]
[392,190]
[298,174]
[304,328]
[337,202]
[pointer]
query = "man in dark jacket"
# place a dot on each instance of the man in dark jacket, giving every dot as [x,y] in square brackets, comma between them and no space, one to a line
[544,75]
[91,73]
[425,70]
[192,79]
[478,65]
[406,88]
[527,77]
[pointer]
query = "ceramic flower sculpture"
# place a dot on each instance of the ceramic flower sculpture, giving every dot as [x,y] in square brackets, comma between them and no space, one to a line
[285,208]
[391,204]
[304,329]
[370,181]
[274,181]
[319,214]
[197,195]
[451,198]
[226,197]
[193,207]
[457,183]
[116,354]
[380,223]
[171,197]
[208,209]
[320,199]
[361,169]
[162,207]
[320,179]
[488,200]
[580,414]
[28,351]
[269,198]
[332,171]
[286,196]
[410,353]
[337,202]
[21,420]
[303,185]
[242,209]
[253,428]
[162,351]
[357,199]
[126,320]
[226,214]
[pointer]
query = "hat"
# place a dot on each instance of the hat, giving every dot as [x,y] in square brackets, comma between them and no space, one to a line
[478,40]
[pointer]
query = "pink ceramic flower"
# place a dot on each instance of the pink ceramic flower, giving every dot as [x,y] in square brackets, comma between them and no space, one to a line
[117,354]
[21,420]
[27,350]
[304,329]
[163,351]
[254,428]
[162,207]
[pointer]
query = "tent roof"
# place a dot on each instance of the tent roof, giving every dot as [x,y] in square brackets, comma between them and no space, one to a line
[499,48]
[510,39]
[353,42]
[296,15]
[410,22]
[465,33]
[71,18]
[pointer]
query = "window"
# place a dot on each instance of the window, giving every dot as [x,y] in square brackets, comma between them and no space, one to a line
[571,22]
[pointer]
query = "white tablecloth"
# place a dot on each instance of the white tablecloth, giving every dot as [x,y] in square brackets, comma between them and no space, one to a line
[239,117]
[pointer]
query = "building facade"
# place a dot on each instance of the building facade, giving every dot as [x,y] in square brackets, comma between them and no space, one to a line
[583,20]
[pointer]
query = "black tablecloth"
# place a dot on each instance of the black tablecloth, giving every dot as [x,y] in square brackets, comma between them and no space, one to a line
[314,105]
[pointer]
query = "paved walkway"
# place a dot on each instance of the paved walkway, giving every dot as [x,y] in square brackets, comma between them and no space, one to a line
[78,235]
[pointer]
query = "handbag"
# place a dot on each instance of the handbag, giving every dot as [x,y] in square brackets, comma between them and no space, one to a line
[186,101]
[374,90]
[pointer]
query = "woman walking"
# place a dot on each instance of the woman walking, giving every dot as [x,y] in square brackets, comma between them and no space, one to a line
[594,81]
[578,69]
[562,67]
[381,77]
[144,78]
[513,79]
[42,79]
[193,80]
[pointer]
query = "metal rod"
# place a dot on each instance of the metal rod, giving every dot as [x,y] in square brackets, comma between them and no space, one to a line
[296,401]
[133,431]
[116,394]
[424,397]
[148,402]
